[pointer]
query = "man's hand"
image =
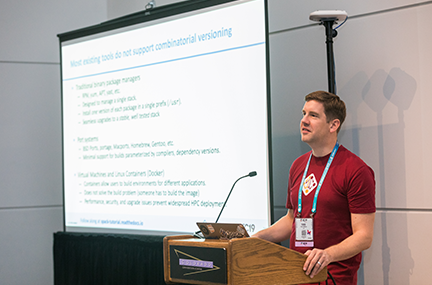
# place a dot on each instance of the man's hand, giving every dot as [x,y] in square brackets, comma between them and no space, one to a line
[316,261]
[360,240]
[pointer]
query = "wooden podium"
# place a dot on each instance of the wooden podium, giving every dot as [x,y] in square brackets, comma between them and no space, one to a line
[234,262]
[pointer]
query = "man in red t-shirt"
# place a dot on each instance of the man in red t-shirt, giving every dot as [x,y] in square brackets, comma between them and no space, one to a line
[331,196]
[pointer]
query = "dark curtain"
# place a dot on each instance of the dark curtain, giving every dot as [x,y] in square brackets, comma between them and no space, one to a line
[91,259]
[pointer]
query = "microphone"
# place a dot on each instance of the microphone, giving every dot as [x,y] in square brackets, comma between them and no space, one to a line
[251,174]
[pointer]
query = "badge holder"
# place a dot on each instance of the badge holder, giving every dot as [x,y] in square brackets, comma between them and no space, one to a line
[304,232]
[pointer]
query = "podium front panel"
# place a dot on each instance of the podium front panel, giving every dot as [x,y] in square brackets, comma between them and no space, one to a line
[198,264]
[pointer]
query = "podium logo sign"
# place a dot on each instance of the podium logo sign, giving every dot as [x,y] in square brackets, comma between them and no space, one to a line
[195,263]
[198,263]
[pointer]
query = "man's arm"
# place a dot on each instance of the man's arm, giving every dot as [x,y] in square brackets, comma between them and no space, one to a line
[361,239]
[279,231]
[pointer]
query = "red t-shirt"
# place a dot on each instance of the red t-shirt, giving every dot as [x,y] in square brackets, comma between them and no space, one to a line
[349,187]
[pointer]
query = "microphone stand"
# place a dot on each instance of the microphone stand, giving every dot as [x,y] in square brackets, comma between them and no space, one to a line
[251,174]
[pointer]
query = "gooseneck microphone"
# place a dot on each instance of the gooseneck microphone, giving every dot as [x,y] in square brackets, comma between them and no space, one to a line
[251,174]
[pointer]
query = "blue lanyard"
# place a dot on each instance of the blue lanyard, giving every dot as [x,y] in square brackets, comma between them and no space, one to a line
[330,160]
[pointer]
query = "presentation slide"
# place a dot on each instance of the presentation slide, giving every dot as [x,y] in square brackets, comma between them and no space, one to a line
[161,118]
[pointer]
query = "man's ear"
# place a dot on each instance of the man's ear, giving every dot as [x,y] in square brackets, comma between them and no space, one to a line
[334,125]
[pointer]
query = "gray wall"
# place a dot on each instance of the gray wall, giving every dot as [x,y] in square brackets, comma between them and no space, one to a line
[383,71]
[30,127]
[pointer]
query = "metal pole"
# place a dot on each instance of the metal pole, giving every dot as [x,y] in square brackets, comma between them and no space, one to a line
[330,56]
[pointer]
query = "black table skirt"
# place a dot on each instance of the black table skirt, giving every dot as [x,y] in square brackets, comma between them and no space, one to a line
[82,258]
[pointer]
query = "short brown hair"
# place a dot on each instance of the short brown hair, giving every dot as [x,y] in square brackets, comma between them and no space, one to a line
[334,107]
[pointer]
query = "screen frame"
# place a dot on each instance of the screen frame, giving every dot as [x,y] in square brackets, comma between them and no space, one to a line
[150,16]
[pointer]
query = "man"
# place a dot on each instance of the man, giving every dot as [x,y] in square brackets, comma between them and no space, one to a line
[332,219]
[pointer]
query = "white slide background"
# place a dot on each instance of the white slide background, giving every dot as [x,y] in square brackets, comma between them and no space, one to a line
[154,140]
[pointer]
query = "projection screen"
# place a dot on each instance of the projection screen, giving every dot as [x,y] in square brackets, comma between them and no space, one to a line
[162,112]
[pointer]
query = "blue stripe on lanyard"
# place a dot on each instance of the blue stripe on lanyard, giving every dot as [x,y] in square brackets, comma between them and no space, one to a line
[329,162]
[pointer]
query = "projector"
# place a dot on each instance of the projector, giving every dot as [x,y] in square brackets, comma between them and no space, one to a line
[328,15]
